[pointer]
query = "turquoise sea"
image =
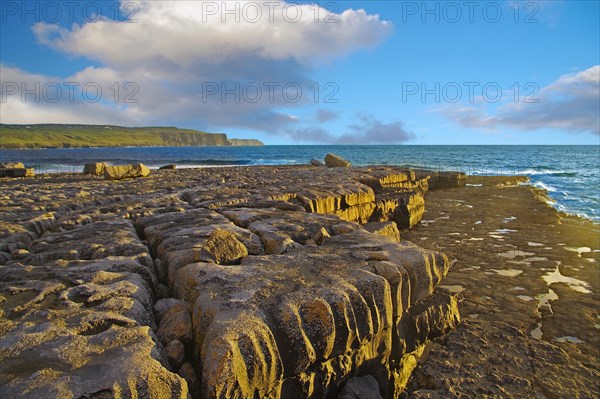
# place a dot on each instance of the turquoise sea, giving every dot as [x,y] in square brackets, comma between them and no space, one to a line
[570,174]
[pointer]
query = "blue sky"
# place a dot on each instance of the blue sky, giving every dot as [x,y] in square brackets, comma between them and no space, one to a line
[369,72]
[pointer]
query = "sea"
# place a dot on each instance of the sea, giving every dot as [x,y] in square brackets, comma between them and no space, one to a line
[570,174]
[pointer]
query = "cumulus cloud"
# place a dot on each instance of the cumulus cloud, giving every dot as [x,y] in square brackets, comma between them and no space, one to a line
[184,32]
[571,103]
[368,130]
[239,65]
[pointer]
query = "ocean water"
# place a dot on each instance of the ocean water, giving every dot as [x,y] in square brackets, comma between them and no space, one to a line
[570,174]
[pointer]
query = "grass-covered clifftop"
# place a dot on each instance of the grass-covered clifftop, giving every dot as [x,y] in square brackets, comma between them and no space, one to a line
[71,136]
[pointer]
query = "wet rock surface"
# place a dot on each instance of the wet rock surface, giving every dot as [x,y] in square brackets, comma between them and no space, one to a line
[528,279]
[270,282]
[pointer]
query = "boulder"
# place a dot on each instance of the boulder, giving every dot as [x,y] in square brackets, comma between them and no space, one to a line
[17,172]
[335,161]
[94,168]
[361,388]
[223,248]
[168,167]
[316,162]
[12,165]
[126,171]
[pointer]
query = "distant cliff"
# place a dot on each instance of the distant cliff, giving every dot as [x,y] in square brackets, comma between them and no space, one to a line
[193,139]
[73,136]
[245,142]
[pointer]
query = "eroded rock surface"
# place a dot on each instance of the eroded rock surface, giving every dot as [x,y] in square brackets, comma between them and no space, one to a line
[276,288]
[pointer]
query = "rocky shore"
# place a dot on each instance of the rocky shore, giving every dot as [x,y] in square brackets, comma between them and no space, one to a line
[292,282]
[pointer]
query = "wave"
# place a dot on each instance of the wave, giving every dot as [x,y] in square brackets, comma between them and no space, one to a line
[231,162]
[544,186]
[546,172]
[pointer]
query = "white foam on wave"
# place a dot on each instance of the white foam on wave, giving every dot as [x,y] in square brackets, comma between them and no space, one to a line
[534,172]
[544,186]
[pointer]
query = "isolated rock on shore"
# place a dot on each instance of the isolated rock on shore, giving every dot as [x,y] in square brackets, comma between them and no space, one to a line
[335,161]
[94,168]
[17,172]
[168,167]
[126,171]
[12,165]
[15,169]
[223,248]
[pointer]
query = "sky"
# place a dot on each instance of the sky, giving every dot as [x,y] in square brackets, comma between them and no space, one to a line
[345,72]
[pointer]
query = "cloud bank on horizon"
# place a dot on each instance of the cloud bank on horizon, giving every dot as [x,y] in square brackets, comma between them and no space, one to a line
[256,67]
[570,103]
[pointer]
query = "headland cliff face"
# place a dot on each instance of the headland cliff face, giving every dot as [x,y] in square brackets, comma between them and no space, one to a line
[77,136]
[184,139]
[245,142]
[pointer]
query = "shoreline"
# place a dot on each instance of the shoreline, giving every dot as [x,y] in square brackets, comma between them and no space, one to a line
[544,193]
[267,254]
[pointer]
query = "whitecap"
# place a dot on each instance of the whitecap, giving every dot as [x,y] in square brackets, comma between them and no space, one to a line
[544,186]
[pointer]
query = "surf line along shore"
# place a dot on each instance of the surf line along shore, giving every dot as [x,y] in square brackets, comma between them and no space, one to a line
[286,282]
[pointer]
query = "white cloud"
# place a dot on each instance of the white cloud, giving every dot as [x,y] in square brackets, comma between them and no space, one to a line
[33,98]
[178,50]
[185,32]
[571,103]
